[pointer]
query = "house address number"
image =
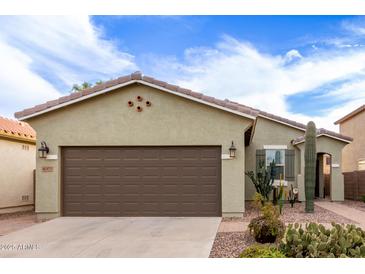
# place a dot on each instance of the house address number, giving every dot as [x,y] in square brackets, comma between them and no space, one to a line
[47,168]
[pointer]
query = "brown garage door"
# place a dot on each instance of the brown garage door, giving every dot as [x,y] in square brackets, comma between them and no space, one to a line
[141,181]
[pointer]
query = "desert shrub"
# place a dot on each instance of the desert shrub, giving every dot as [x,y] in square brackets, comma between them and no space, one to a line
[267,227]
[258,200]
[262,251]
[315,241]
[263,179]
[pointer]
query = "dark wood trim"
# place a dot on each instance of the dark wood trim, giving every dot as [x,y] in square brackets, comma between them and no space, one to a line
[61,183]
[34,185]
[220,179]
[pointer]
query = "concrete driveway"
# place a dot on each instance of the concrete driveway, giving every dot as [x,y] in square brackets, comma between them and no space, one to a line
[114,237]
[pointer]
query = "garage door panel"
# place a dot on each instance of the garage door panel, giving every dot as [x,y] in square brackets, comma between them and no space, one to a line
[74,189]
[151,189]
[150,172]
[73,170]
[141,181]
[91,189]
[111,188]
[130,189]
[111,208]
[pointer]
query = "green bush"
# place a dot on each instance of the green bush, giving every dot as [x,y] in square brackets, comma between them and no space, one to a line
[315,241]
[262,251]
[267,228]
[363,198]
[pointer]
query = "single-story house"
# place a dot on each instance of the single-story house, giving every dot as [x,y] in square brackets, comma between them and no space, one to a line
[353,155]
[137,146]
[17,165]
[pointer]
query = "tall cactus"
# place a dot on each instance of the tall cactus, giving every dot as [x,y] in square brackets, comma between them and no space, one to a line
[310,158]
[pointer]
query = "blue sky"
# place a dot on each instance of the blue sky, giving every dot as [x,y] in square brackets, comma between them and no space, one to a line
[173,34]
[300,67]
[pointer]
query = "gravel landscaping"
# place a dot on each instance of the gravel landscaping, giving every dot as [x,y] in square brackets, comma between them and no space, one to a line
[11,222]
[12,215]
[295,214]
[360,205]
[230,244]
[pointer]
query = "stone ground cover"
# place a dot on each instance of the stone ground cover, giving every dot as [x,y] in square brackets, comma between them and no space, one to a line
[14,221]
[231,244]
[295,214]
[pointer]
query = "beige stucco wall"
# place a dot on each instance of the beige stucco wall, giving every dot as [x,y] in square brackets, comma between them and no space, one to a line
[268,132]
[16,174]
[272,133]
[352,153]
[334,148]
[171,120]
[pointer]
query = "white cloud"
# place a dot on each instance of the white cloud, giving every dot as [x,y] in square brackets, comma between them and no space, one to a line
[19,86]
[354,27]
[238,71]
[292,55]
[62,50]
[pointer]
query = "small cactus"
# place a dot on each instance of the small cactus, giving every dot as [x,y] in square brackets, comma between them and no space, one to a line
[315,241]
[292,196]
[310,159]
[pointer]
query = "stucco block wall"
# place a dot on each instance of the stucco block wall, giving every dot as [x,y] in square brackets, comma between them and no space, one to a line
[355,128]
[171,120]
[16,174]
[268,132]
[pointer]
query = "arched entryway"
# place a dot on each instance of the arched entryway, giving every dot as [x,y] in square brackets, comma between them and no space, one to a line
[323,175]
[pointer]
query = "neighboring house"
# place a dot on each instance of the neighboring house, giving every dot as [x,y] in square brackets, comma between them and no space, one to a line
[17,165]
[353,155]
[136,146]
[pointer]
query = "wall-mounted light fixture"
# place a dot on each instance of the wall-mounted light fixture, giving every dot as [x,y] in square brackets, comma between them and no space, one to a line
[232,151]
[43,150]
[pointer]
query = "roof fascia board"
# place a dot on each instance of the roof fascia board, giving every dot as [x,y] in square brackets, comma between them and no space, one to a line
[329,136]
[350,115]
[197,100]
[17,139]
[82,98]
[129,83]
[280,122]
[333,137]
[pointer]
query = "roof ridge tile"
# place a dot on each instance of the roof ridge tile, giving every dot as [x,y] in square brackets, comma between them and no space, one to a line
[137,75]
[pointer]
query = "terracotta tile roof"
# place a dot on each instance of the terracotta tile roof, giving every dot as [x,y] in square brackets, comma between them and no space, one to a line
[131,77]
[137,76]
[272,116]
[322,131]
[16,130]
[351,114]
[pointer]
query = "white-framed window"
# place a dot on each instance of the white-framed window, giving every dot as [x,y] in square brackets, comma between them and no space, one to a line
[278,156]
